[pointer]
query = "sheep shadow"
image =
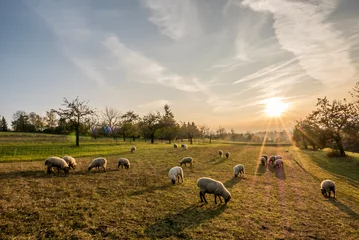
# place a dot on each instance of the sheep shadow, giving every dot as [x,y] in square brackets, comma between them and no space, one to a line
[233,181]
[31,174]
[221,160]
[261,169]
[151,189]
[280,173]
[211,160]
[173,225]
[343,208]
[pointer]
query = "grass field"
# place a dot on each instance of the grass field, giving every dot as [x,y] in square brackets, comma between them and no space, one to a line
[142,203]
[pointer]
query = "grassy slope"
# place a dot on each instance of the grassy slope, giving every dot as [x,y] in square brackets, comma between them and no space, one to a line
[141,202]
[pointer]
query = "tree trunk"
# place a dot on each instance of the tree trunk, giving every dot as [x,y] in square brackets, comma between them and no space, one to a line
[191,140]
[77,130]
[340,146]
[152,138]
[134,138]
[210,140]
[124,137]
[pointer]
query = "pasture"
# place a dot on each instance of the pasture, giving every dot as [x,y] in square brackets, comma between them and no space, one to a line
[142,203]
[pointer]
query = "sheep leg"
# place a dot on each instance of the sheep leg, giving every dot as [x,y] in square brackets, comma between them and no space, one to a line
[220,199]
[215,199]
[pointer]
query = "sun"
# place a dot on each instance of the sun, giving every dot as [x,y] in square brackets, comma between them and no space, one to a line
[274,106]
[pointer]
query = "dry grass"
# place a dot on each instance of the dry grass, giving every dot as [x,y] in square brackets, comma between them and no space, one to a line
[142,203]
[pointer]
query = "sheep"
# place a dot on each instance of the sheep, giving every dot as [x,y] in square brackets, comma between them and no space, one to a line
[123,162]
[326,187]
[271,159]
[238,169]
[184,146]
[175,173]
[263,161]
[133,149]
[278,163]
[265,156]
[277,156]
[175,145]
[211,186]
[227,154]
[186,160]
[70,161]
[220,153]
[97,163]
[58,163]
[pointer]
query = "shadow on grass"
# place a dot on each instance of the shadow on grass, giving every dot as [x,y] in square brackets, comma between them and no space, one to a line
[261,169]
[280,173]
[174,225]
[151,189]
[211,160]
[343,207]
[30,174]
[231,182]
[220,160]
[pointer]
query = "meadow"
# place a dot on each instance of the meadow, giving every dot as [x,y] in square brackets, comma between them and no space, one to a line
[142,203]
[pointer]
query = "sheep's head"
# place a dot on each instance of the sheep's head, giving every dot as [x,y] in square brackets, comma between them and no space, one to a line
[66,169]
[173,181]
[89,168]
[228,198]
[323,192]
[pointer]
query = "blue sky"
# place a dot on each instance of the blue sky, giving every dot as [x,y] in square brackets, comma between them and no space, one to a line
[214,62]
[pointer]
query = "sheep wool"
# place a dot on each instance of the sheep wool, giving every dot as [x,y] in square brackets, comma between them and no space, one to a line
[227,154]
[211,186]
[277,156]
[184,146]
[186,160]
[70,161]
[175,145]
[175,173]
[265,156]
[58,163]
[220,152]
[271,159]
[97,163]
[133,149]
[238,169]
[278,163]
[124,162]
[263,161]
[326,187]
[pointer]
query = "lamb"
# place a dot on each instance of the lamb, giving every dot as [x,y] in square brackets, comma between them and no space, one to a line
[70,161]
[97,163]
[211,186]
[184,146]
[238,169]
[278,163]
[58,163]
[123,162]
[263,161]
[175,173]
[175,145]
[327,186]
[227,154]
[186,160]
[271,159]
[133,149]
[220,153]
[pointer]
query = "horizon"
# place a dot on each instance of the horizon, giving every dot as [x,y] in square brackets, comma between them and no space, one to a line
[215,63]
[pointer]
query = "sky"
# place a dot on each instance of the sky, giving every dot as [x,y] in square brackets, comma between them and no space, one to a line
[214,62]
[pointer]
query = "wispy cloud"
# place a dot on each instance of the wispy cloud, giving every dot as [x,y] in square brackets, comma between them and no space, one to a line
[302,29]
[175,19]
[143,69]
[154,104]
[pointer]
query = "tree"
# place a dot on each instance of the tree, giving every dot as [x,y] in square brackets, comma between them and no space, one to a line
[204,130]
[51,119]
[128,124]
[192,131]
[169,128]
[233,134]
[149,124]
[3,125]
[112,119]
[37,121]
[75,112]
[21,122]
[333,118]
[221,132]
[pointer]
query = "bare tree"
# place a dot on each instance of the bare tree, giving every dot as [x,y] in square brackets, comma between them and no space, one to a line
[112,118]
[204,130]
[75,112]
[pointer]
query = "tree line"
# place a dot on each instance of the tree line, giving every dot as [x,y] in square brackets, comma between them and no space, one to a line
[77,116]
[333,124]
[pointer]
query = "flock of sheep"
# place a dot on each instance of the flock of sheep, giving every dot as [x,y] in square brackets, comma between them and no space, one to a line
[175,174]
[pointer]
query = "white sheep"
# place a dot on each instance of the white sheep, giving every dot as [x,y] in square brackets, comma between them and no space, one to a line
[277,156]
[271,159]
[220,152]
[70,161]
[238,169]
[133,149]
[184,146]
[124,162]
[263,161]
[58,163]
[175,173]
[326,187]
[278,163]
[97,163]
[211,186]
[175,145]
[186,160]
[227,154]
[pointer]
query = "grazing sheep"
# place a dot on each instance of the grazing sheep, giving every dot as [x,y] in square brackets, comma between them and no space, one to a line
[271,159]
[97,163]
[327,186]
[265,156]
[278,163]
[277,156]
[220,153]
[175,173]
[58,163]
[175,145]
[123,162]
[133,149]
[227,154]
[186,160]
[211,186]
[238,169]
[263,161]
[184,146]
[70,161]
